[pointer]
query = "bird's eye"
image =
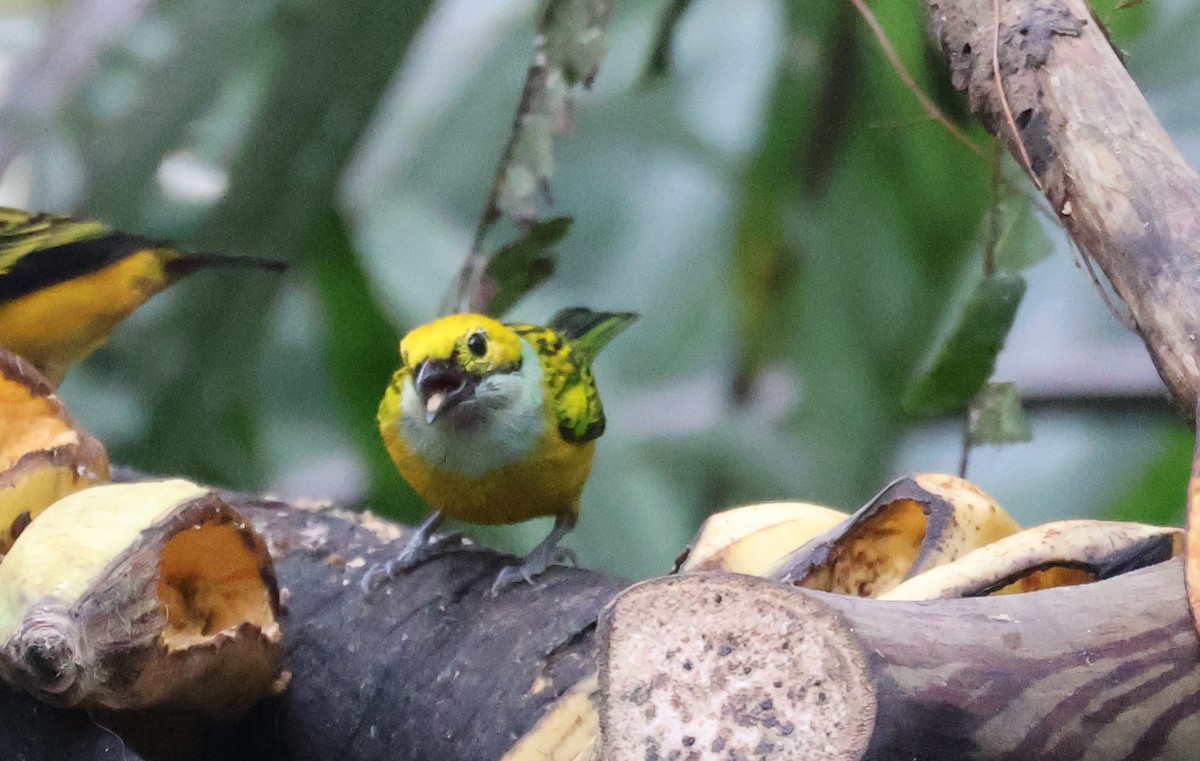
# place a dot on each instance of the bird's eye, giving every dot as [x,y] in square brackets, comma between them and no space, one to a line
[477,344]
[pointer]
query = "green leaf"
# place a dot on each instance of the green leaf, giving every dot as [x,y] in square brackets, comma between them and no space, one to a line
[1124,20]
[360,345]
[964,362]
[997,417]
[522,265]
[1020,241]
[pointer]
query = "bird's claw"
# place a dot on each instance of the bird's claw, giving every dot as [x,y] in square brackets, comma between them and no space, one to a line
[564,556]
[531,568]
[410,557]
[510,575]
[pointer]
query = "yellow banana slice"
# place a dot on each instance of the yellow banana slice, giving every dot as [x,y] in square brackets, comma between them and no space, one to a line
[752,539]
[44,453]
[569,730]
[132,596]
[914,524]
[1053,554]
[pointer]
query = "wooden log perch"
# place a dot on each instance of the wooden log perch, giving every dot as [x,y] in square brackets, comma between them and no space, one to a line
[426,666]
[723,666]
[430,666]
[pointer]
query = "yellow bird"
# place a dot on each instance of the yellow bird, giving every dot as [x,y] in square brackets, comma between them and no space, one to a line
[65,283]
[497,423]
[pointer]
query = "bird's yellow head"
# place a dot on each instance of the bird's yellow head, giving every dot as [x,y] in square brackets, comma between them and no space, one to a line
[449,357]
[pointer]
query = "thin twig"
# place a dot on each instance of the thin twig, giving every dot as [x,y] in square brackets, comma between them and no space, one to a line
[467,284]
[1012,123]
[660,61]
[534,81]
[1125,319]
[930,107]
[964,458]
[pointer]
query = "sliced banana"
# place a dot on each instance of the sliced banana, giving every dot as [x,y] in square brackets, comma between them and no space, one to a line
[752,539]
[44,453]
[568,731]
[914,524]
[1062,553]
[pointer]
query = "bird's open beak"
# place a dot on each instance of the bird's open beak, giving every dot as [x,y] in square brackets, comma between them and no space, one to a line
[443,385]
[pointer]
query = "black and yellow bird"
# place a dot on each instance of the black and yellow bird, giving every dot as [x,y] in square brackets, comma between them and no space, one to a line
[496,422]
[66,283]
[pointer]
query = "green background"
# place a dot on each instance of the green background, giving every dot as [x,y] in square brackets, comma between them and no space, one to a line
[794,229]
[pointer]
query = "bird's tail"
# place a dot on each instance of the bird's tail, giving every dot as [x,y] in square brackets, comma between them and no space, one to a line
[185,264]
[588,332]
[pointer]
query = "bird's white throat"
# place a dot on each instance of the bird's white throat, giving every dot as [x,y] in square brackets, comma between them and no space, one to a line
[501,424]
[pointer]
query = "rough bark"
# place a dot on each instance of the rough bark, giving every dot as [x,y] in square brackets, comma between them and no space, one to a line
[430,666]
[1103,671]
[426,666]
[1107,672]
[1110,171]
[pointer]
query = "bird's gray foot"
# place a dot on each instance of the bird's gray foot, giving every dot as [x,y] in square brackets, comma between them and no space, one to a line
[420,548]
[546,554]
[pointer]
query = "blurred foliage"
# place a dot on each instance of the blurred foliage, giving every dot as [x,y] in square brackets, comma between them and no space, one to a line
[791,224]
[518,268]
[966,358]
[1157,495]
[360,346]
[996,417]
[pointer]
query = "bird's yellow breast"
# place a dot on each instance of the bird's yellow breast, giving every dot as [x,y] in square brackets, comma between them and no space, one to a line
[548,482]
[57,325]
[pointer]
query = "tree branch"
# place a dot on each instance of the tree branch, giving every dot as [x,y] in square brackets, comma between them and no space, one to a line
[1107,672]
[1109,170]
[427,666]
[1125,194]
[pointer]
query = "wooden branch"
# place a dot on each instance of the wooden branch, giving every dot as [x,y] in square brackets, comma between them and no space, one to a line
[1125,194]
[427,666]
[430,666]
[1109,170]
[1105,672]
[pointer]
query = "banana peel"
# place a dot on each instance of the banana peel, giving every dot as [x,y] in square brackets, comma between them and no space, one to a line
[1062,553]
[569,731]
[914,524]
[44,453]
[139,596]
[753,539]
